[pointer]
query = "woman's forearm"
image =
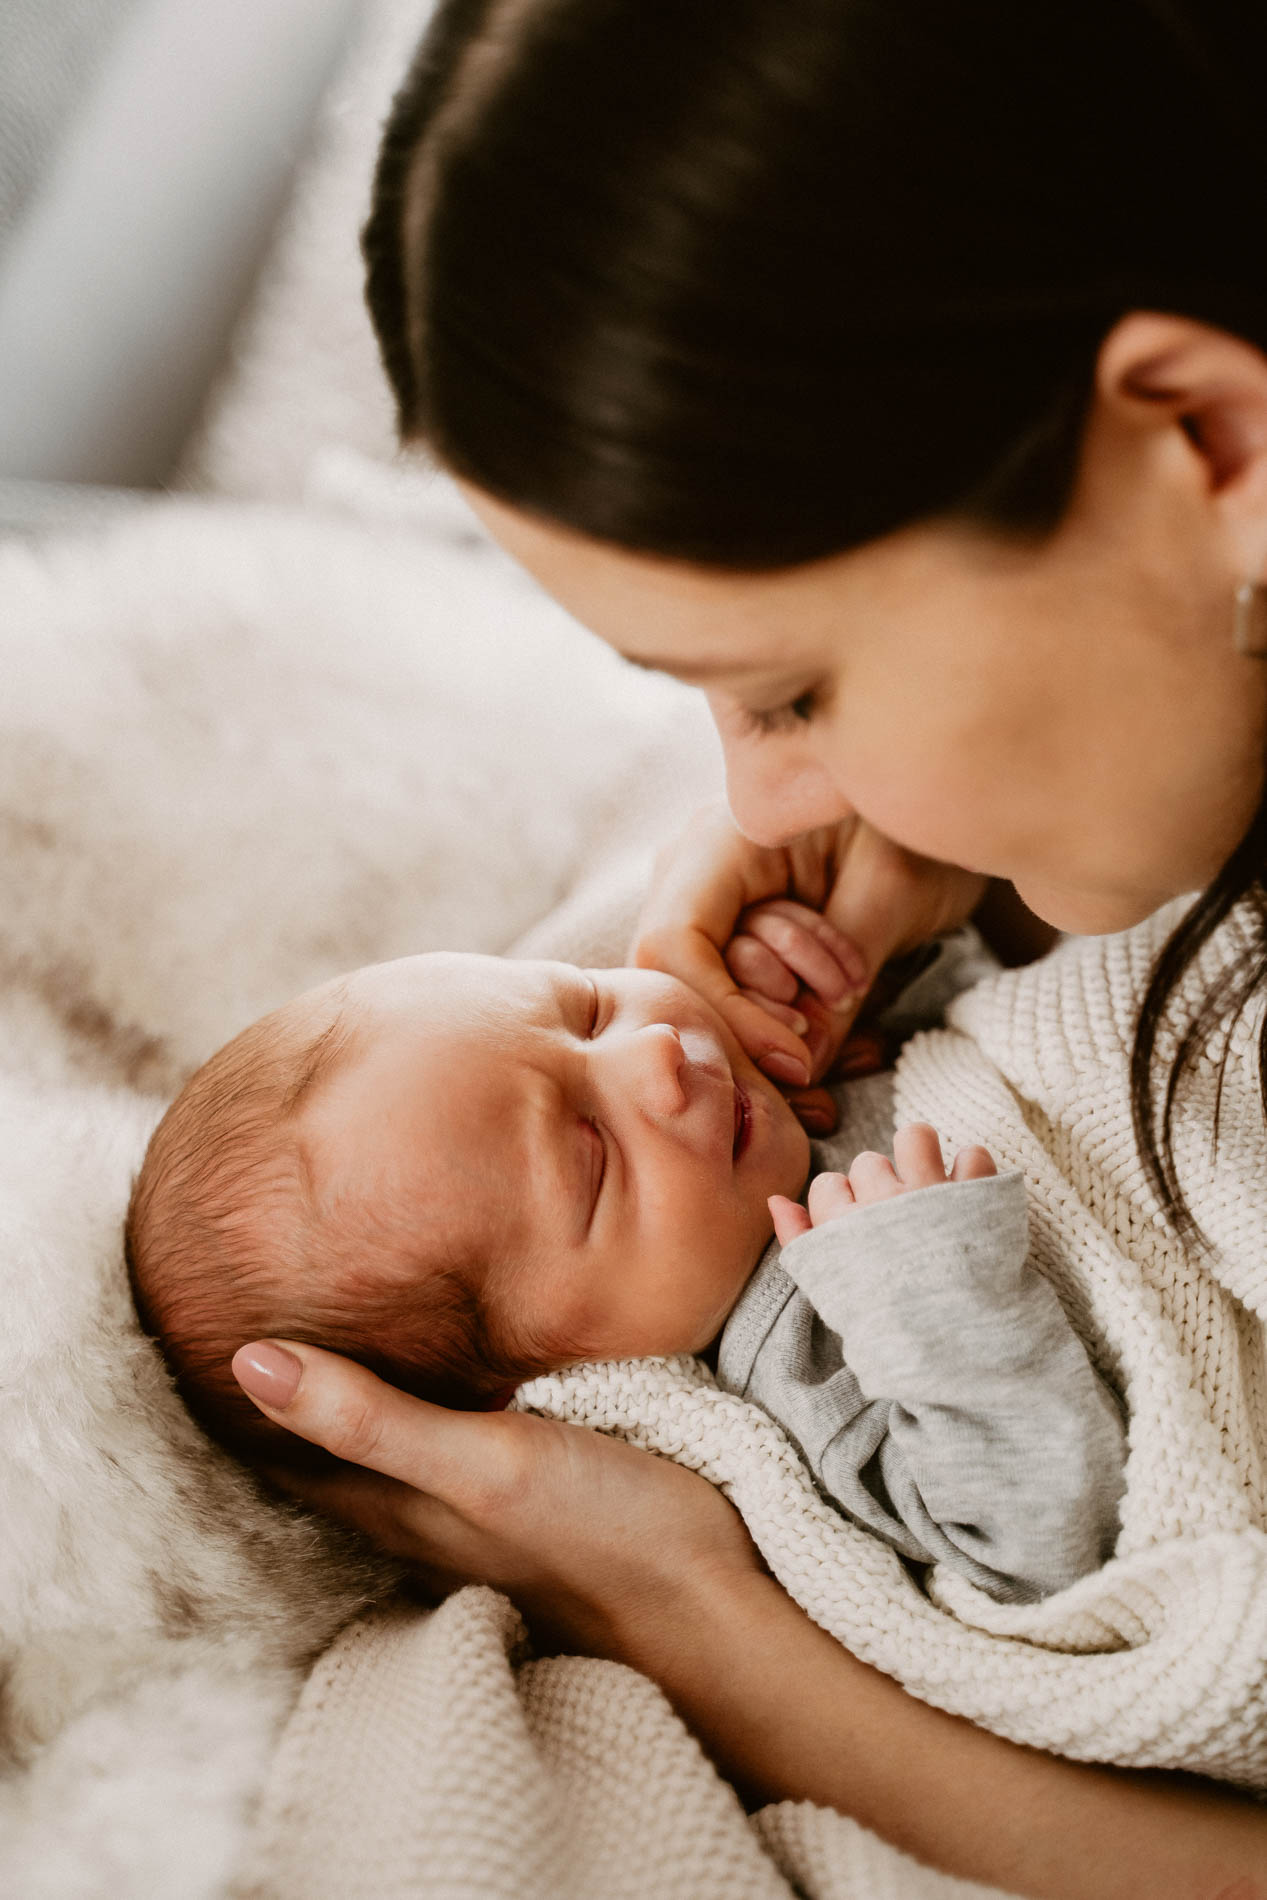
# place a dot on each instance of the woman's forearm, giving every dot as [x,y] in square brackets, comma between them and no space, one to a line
[615,1553]
[789,1715]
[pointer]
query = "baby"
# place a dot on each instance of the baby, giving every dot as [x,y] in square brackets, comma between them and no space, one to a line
[464,1171]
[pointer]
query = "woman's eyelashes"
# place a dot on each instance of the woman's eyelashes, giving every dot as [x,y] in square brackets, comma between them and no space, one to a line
[763,722]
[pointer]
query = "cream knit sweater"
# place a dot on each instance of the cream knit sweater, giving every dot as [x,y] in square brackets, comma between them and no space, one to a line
[573,1778]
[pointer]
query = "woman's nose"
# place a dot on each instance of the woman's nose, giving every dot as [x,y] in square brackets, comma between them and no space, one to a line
[775,797]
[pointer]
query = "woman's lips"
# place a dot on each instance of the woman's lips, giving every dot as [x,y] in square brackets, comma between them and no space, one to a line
[743,1124]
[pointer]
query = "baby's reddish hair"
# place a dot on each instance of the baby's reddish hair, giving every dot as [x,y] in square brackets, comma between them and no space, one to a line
[224,1245]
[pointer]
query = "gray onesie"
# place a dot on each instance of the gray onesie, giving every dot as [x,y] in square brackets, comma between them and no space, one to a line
[930,1378]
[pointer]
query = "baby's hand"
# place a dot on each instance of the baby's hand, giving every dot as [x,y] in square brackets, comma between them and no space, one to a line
[796,966]
[783,952]
[917,1163]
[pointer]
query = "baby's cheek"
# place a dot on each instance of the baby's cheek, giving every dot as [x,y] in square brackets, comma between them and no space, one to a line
[792,1159]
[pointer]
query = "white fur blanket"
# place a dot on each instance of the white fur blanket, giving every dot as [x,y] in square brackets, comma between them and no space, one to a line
[243,750]
[238,751]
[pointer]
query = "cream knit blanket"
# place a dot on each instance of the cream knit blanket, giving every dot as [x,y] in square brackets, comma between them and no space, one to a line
[570,1777]
[1160,1659]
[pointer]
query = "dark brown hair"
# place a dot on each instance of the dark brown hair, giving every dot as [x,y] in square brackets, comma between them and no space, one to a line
[747,283]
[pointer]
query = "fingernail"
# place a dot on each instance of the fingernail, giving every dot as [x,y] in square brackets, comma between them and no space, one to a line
[798,1022]
[785,1068]
[853,964]
[268,1373]
[832,992]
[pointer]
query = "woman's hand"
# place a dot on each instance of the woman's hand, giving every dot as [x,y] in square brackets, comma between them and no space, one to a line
[592,1539]
[831,908]
[610,1551]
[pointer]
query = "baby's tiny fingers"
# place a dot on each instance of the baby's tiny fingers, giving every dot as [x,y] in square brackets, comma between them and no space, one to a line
[809,946]
[782,1012]
[973,1164]
[872,1178]
[830,1196]
[790,1219]
[755,966]
[917,1155]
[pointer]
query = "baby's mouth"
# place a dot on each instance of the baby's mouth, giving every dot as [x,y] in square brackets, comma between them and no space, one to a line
[743,1124]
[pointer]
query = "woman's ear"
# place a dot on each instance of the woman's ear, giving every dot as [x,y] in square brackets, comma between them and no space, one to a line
[1164,372]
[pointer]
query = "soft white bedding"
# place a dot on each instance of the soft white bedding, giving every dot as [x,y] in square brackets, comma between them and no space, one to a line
[238,751]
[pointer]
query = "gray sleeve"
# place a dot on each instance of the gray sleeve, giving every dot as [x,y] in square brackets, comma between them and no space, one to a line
[982,1433]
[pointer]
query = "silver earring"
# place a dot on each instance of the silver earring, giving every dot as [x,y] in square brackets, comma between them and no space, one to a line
[1249,625]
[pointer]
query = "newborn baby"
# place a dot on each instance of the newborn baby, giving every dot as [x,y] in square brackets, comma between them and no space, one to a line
[464,1171]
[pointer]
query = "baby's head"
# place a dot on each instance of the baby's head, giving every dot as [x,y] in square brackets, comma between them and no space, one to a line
[462,1172]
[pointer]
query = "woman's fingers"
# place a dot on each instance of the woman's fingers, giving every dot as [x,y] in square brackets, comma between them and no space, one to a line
[582,1531]
[358,1418]
[693,957]
[885,900]
[773,1046]
[701,886]
[782,1012]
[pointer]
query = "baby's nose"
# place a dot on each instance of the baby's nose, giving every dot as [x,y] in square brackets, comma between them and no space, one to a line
[662,1070]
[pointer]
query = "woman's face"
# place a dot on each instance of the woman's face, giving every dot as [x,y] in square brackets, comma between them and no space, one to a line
[1070,715]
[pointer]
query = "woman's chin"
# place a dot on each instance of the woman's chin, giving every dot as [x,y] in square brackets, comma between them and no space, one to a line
[1090,913]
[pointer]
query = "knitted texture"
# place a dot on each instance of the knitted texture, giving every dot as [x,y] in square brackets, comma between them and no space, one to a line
[1160,1658]
[430,1759]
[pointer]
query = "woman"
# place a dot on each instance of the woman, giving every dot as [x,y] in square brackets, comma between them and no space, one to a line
[898,375]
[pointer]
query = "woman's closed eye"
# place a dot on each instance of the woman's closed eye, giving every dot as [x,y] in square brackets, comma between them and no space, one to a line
[763,722]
